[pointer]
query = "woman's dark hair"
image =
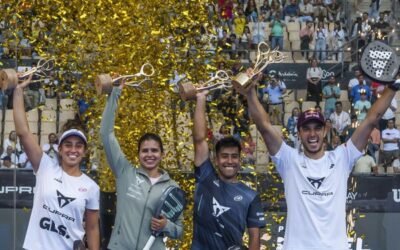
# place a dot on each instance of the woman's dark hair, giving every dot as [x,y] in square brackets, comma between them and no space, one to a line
[150,137]
[227,142]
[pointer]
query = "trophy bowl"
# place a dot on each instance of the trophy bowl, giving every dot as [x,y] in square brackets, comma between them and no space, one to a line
[241,82]
[8,79]
[103,84]
[187,91]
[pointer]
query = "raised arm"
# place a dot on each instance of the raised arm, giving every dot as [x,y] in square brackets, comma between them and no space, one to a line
[112,148]
[32,148]
[271,137]
[201,151]
[361,134]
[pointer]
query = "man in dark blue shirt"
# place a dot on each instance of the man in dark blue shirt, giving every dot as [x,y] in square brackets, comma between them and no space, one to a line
[224,207]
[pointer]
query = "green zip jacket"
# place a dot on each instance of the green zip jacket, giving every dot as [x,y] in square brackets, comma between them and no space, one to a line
[137,198]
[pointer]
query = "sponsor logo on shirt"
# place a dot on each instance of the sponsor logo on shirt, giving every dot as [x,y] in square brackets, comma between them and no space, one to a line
[58,180]
[218,209]
[82,189]
[54,211]
[63,200]
[49,225]
[316,193]
[316,182]
[238,198]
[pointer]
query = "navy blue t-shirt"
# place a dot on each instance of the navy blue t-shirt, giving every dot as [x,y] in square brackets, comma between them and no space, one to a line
[222,210]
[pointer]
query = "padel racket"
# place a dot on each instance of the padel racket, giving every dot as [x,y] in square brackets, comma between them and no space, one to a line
[171,205]
[380,62]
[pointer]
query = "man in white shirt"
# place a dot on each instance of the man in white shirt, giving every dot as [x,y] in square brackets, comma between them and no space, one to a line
[353,81]
[315,180]
[390,139]
[388,115]
[340,120]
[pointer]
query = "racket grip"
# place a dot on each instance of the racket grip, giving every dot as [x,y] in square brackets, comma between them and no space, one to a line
[149,243]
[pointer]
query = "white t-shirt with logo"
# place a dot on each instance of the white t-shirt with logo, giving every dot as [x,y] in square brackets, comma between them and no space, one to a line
[316,192]
[59,205]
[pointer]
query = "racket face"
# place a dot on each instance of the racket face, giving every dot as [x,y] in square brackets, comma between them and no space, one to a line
[172,203]
[380,62]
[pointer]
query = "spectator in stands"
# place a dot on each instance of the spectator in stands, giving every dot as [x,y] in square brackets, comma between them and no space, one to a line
[334,11]
[314,76]
[382,28]
[330,93]
[362,106]
[24,162]
[330,132]
[321,37]
[12,141]
[275,89]
[291,12]
[265,9]
[251,12]
[365,32]
[390,139]
[374,144]
[335,142]
[306,38]
[396,165]
[340,120]
[12,154]
[306,11]
[225,8]
[245,42]
[277,29]
[276,10]
[291,126]
[353,81]
[6,163]
[364,164]
[258,32]
[376,89]
[320,13]
[390,114]
[337,38]
[353,126]
[239,22]
[374,8]
[248,149]
[361,87]
[51,148]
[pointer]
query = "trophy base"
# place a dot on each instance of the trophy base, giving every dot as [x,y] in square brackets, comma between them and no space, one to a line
[241,82]
[8,79]
[187,91]
[103,84]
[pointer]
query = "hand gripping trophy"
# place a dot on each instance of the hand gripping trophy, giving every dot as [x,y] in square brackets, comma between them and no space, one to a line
[220,80]
[9,78]
[265,56]
[105,82]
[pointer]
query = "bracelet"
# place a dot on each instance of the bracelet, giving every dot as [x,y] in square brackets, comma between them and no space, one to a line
[395,86]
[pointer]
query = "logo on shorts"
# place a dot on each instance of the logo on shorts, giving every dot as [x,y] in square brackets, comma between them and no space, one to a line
[316,182]
[63,200]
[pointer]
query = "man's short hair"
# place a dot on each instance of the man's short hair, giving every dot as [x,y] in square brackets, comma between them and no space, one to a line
[338,102]
[227,142]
